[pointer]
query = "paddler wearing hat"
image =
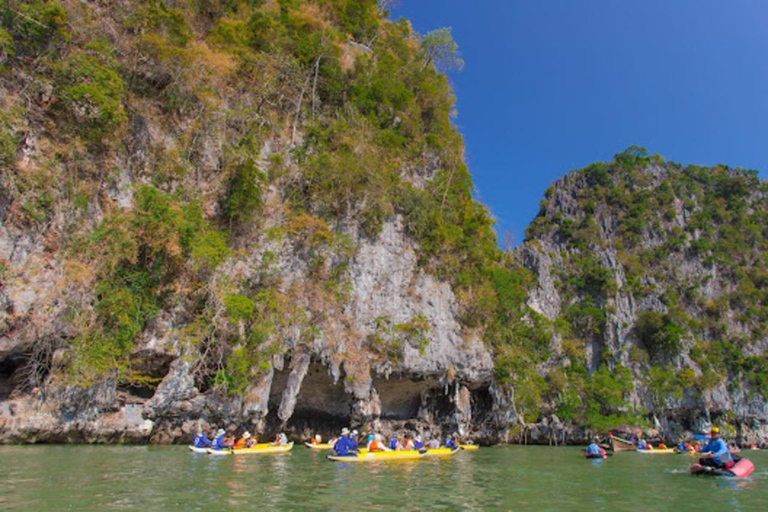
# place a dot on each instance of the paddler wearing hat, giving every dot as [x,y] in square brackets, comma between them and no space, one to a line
[346,444]
[718,455]
[245,442]
[218,441]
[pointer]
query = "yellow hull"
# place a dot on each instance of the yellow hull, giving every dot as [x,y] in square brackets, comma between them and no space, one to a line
[259,448]
[321,446]
[442,452]
[666,451]
[375,456]
[470,447]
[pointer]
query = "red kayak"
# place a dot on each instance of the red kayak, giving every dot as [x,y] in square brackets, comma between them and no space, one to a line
[741,469]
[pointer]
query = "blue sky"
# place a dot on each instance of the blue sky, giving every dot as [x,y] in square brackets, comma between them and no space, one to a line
[553,85]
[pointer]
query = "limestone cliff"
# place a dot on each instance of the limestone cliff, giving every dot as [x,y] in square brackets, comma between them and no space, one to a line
[257,215]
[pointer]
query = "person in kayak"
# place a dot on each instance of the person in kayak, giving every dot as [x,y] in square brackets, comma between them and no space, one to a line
[594,449]
[219,443]
[317,440]
[719,456]
[450,442]
[345,445]
[397,443]
[377,444]
[281,439]
[244,442]
[433,444]
[408,444]
[201,440]
[417,443]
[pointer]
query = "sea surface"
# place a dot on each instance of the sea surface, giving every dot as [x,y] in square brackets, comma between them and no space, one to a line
[509,478]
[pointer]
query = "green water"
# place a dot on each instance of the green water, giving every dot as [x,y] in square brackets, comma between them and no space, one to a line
[148,478]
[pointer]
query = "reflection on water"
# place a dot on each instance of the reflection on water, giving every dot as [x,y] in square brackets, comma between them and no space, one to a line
[515,478]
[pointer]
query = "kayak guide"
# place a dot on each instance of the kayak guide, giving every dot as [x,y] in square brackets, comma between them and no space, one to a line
[719,461]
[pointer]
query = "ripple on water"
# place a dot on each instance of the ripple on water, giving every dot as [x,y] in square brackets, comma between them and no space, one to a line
[522,479]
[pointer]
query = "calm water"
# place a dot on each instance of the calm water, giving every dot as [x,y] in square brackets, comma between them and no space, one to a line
[104,478]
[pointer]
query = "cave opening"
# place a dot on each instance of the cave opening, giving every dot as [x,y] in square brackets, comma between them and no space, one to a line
[322,406]
[401,398]
[482,404]
[152,371]
[11,375]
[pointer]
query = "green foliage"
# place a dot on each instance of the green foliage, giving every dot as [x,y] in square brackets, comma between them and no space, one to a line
[586,319]
[606,394]
[659,333]
[569,405]
[33,26]
[440,49]
[243,196]
[90,93]
[161,18]
[8,138]
[358,17]
[597,175]
[663,383]
[511,287]
[238,307]
[209,250]
[139,253]
[592,278]
[388,339]
[6,46]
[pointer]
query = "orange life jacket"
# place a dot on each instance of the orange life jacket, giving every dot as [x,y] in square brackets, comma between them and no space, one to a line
[375,446]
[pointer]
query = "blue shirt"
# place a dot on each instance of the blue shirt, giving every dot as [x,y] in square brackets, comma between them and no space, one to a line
[418,445]
[201,441]
[344,445]
[218,443]
[718,449]
[450,443]
[393,443]
[593,449]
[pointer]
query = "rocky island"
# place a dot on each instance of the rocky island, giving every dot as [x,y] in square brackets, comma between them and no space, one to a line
[257,215]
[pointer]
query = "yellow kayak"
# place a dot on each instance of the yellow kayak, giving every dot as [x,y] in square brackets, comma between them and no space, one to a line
[665,451]
[259,448]
[374,456]
[469,447]
[442,452]
[320,446]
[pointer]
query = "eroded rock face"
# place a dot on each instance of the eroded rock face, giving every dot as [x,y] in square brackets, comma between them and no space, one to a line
[318,387]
